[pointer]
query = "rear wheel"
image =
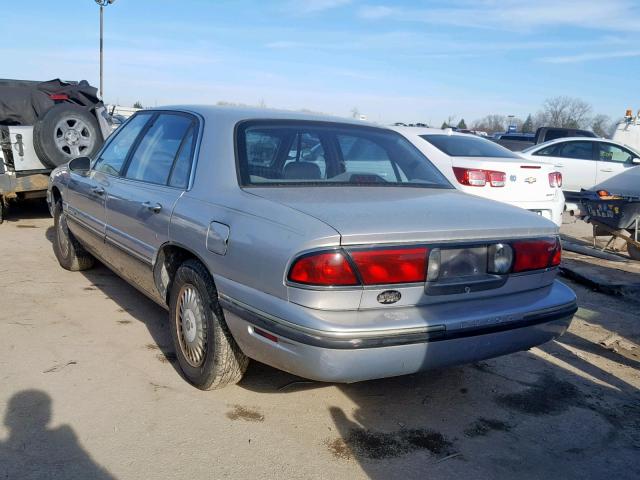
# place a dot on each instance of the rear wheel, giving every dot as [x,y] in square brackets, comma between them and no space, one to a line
[634,252]
[70,253]
[206,351]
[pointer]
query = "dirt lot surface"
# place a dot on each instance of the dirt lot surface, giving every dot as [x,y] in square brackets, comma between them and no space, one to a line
[89,390]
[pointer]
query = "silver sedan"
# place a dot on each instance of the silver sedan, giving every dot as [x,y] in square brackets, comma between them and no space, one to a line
[329,248]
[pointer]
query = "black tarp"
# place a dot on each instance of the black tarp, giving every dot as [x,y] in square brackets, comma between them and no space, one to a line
[22,102]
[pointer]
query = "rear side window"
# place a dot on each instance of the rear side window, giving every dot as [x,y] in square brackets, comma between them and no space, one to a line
[468,146]
[282,152]
[153,159]
[113,156]
[549,151]
[577,150]
[182,166]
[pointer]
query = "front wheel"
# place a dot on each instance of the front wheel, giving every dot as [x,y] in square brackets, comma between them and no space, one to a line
[206,351]
[70,253]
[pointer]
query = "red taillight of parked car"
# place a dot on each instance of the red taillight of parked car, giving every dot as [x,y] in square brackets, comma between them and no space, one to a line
[393,265]
[323,269]
[536,254]
[479,178]
[555,179]
[374,267]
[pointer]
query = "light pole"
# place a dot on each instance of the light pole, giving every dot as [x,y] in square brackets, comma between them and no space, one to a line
[102,3]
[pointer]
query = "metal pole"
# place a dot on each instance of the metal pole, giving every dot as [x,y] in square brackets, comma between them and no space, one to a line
[101,29]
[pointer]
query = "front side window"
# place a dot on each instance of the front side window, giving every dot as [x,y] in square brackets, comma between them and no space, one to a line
[153,159]
[274,152]
[613,153]
[577,150]
[113,156]
[467,146]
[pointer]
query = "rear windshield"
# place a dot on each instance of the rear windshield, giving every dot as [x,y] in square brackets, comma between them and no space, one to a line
[275,152]
[468,146]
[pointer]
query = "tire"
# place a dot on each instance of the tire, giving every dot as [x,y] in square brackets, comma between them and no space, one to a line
[208,355]
[70,253]
[633,251]
[66,131]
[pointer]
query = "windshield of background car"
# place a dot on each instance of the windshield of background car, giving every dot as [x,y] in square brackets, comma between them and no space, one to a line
[467,146]
[285,153]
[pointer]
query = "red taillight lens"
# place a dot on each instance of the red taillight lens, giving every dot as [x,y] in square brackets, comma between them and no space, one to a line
[325,268]
[59,96]
[497,179]
[536,254]
[555,179]
[473,178]
[479,178]
[394,265]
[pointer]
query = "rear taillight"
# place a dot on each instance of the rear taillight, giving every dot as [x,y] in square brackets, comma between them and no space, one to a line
[555,179]
[393,265]
[536,254]
[479,178]
[375,267]
[324,269]
[58,96]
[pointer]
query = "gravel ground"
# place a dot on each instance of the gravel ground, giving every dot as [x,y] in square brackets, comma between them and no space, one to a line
[89,389]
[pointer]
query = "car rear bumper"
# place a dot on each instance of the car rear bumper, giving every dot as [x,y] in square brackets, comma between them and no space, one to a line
[354,356]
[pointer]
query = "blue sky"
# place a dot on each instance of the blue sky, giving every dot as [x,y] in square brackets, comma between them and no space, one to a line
[393,60]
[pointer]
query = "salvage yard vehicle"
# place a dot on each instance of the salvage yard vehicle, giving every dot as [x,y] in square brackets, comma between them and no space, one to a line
[43,125]
[328,248]
[613,206]
[520,141]
[480,167]
[584,162]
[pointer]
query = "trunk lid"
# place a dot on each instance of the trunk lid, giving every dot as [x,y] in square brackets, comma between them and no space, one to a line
[364,215]
[526,181]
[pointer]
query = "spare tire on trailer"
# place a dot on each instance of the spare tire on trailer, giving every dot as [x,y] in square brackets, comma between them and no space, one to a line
[64,132]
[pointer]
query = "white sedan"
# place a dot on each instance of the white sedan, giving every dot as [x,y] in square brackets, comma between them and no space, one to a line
[486,169]
[584,162]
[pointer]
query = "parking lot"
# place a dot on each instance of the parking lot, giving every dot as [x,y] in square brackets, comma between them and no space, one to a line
[89,389]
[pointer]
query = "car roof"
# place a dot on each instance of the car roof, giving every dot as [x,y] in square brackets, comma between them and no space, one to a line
[238,114]
[417,131]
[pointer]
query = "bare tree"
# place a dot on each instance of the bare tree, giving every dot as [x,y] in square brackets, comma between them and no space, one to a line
[490,124]
[565,112]
[602,125]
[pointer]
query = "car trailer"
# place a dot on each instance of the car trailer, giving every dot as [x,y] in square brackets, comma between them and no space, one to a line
[616,216]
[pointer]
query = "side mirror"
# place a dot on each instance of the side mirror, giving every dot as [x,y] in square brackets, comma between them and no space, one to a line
[80,165]
[635,161]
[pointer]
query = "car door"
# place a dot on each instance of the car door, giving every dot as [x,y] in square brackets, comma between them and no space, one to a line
[141,201]
[575,159]
[612,159]
[87,193]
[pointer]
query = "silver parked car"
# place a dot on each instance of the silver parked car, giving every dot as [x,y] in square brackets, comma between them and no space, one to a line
[328,248]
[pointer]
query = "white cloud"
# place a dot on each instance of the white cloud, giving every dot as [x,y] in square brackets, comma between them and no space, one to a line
[588,57]
[514,15]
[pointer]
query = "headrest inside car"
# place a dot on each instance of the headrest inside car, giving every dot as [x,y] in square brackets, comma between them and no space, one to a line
[302,171]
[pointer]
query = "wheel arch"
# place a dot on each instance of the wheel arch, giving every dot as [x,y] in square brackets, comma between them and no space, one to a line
[166,262]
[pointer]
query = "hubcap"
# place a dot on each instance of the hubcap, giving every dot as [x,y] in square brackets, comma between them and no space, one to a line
[63,238]
[73,137]
[191,325]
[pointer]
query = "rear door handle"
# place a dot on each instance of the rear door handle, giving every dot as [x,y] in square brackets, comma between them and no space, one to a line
[153,207]
[98,190]
[559,165]
[606,170]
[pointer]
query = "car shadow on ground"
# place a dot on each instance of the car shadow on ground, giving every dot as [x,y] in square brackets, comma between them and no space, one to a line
[135,303]
[24,210]
[548,412]
[36,451]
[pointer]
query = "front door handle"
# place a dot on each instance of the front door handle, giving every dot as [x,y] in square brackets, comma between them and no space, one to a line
[559,165]
[98,190]
[153,207]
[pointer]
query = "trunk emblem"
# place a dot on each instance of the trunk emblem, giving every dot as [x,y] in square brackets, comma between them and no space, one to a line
[389,296]
[513,178]
[530,179]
